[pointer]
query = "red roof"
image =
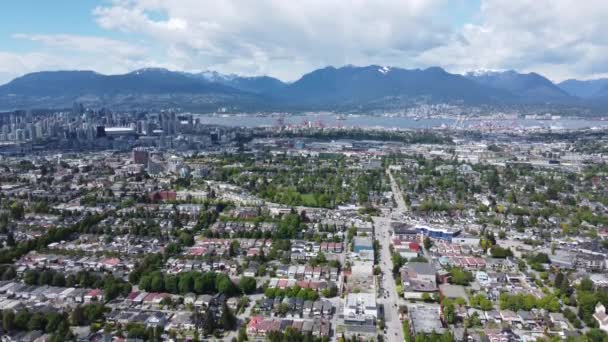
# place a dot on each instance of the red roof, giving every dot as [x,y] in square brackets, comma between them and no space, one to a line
[111,261]
[414,246]
[303,284]
[95,293]
[282,283]
[133,295]
[198,251]
[254,322]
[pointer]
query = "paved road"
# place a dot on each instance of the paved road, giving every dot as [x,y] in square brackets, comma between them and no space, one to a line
[391,310]
[382,234]
[397,194]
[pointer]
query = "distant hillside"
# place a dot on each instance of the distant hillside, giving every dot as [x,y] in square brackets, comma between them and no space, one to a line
[585,89]
[360,85]
[140,88]
[530,88]
[256,84]
[345,88]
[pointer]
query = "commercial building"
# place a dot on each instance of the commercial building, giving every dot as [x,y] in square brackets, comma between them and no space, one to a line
[360,309]
[363,243]
[425,319]
[418,278]
[438,233]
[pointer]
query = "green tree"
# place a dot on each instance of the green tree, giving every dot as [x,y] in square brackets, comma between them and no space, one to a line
[171,283]
[227,318]
[37,322]
[247,285]
[428,243]
[17,211]
[186,239]
[31,277]
[8,320]
[460,276]
[559,278]
[586,284]
[53,320]
[448,311]
[145,283]
[157,283]
[45,278]
[596,335]
[209,323]
[77,316]
[499,252]
[186,283]
[242,337]
[58,279]
[21,319]
[225,285]
[9,273]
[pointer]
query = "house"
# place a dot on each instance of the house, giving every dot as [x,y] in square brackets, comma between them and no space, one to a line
[203,301]
[156,319]
[250,272]
[189,298]
[499,335]
[181,321]
[317,308]
[94,295]
[233,303]
[292,271]
[526,318]
[590,262]
[307,310]
[509,316]
[493,316]
[327,309]
[559,321]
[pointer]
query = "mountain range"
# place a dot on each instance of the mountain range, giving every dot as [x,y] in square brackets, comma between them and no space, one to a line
[344,88]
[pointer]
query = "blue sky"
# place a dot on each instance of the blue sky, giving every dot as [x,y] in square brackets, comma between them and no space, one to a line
[558,38]
[49,17]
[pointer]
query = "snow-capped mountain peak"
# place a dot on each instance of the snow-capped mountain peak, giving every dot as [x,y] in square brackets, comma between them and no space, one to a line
[483,72]
[214,76]
[150,70]
[384,70]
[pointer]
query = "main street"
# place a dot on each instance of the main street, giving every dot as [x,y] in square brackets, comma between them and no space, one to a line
[397,195]
[389,297]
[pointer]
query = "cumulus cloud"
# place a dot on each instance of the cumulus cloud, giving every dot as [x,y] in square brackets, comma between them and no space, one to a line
[557,38]
[283,38]
[86,44]
[76,52]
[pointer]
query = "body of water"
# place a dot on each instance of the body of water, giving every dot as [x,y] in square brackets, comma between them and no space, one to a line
[372,121]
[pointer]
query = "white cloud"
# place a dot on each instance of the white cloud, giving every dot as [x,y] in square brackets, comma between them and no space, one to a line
[85,44]
[283,38]
[557,38]
[75,52]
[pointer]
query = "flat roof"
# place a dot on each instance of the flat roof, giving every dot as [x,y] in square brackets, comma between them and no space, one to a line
[425,318]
